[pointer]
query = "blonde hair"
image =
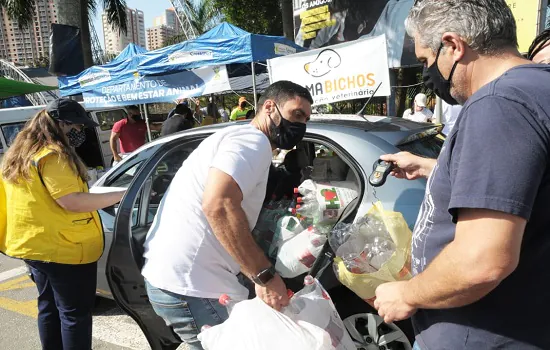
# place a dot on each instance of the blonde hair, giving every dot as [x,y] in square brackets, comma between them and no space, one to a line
[42,131]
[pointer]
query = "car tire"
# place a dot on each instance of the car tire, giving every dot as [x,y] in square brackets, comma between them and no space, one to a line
[359,318]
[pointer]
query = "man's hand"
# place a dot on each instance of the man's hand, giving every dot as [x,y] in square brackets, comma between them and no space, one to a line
[117,157]
[408,166]
[390,302]
[274,293]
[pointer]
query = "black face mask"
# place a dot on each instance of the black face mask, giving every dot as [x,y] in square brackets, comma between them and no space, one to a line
[435,81]
[76,138]
[287,134]
[136,117]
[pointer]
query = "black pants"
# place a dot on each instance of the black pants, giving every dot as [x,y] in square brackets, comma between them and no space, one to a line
[66,295]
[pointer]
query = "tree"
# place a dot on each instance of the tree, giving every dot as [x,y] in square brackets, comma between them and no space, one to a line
[259,17]
[203,16]
[287,12]
[71,12]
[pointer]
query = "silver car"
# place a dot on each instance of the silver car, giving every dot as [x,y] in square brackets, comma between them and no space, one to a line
[358,141]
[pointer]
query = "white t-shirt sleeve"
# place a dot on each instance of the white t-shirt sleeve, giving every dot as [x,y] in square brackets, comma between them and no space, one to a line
[407,114]
[246,158]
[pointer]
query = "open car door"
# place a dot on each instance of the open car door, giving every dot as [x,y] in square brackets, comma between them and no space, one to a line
[134,218]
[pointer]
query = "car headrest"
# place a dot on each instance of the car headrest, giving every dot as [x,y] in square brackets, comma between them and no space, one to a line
[295,161]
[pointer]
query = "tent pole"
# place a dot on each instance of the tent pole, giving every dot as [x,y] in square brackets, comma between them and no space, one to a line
[147,122]
[254,86]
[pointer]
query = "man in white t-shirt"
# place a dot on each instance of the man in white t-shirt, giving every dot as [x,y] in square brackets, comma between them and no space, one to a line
[449,116]
[201,237]
[420,113]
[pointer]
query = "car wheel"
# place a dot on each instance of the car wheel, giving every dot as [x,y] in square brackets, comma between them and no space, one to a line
[366,328]
[369,332]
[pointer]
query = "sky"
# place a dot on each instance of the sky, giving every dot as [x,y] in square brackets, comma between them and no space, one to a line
[150,8]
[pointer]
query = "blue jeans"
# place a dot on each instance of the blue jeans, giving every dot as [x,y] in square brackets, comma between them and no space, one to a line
[186,315]
[66,297]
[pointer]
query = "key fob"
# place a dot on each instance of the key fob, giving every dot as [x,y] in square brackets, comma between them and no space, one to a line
[380,171]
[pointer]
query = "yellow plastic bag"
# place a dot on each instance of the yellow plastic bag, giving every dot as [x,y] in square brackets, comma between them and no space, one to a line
[397,268]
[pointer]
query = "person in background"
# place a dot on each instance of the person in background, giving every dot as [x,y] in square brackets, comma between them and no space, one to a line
[178,122]
[200,240]
[49,219]
[539,52]
[212,109]
[419,113]
[130,132]
[250,114]
[224,115]
[239,113]
[481,242]
[179,108]
[449,116]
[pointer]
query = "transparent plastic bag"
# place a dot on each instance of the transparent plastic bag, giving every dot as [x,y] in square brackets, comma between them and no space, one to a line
[331,199]
[384,235]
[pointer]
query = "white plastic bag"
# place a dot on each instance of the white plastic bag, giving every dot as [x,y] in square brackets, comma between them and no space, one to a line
[310,322]
[297,255]
[287,228]
[253,325]
[332,199]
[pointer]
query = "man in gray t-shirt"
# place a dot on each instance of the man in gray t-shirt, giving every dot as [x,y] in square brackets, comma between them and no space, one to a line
[481,244]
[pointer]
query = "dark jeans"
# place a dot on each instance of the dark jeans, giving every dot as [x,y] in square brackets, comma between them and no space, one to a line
[66,296]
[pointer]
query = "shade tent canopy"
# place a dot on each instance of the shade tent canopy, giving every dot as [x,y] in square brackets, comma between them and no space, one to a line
[10,88]
[121,69]
[130,51]
[224,44]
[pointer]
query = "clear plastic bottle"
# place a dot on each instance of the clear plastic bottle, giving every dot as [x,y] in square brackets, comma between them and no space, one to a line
[310,209]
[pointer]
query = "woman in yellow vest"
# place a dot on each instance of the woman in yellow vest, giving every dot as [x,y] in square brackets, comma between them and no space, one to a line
[48,219]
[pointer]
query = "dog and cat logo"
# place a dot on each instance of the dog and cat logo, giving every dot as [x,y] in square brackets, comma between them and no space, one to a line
[324,63]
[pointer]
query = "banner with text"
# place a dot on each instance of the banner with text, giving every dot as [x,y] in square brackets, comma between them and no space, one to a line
[321,23]
[337,73]
[166,88]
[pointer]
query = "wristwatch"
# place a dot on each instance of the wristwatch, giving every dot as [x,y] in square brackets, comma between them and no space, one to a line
[264,276]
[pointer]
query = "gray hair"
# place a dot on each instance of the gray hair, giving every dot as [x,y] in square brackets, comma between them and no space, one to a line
[487,26]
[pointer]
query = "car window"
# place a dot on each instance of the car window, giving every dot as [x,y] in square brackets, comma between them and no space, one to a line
[125,178]
[429,147]
[10,131]
[107,119]
[164,174]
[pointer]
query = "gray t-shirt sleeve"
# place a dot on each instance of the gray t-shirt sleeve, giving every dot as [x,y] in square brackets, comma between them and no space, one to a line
[497,164]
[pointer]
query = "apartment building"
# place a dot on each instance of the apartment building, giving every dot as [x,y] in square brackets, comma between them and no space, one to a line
[21,46]
[115,41]
[164,27]
[169,19]
[157,36]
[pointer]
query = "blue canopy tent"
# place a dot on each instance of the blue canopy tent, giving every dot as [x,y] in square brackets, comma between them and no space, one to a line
[121,69]
[223,45]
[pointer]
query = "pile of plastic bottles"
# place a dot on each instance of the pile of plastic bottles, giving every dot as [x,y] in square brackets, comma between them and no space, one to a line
[364,246]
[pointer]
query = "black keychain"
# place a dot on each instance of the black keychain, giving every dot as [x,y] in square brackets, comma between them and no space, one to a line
[380,171]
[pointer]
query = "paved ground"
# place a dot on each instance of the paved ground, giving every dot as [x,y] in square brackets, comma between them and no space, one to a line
[112,328]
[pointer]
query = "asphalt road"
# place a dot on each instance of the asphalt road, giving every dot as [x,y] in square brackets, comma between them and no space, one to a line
[112,328]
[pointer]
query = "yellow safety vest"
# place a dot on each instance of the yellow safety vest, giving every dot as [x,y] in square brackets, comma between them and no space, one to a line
[33,226]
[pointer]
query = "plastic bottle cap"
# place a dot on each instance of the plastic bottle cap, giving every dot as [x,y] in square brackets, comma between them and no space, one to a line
[296,191]
[310,229]
[293,211]
[298,206]
[300,200]
[224,299]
